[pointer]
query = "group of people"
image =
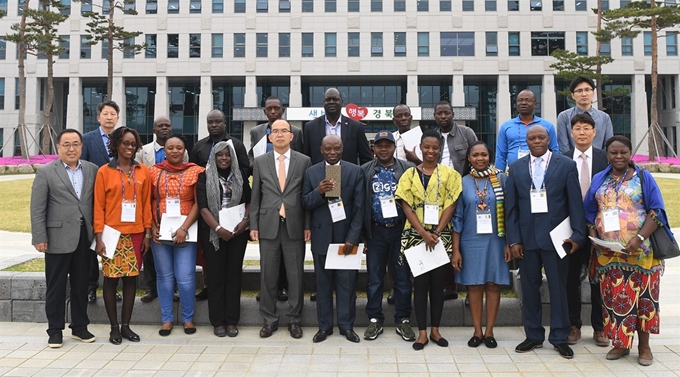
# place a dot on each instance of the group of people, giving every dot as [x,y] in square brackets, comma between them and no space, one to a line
[323,184]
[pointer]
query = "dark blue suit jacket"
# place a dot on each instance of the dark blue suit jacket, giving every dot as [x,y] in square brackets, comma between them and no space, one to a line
[324,231]
[94,149]
[564,199]
[355,148]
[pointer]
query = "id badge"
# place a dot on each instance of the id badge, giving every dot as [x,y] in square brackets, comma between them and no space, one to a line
[388,206]
[484,223]
[129,212]
[539,201]
[337,210]
[522,152]
[610,218]
[431,215]
[172,207]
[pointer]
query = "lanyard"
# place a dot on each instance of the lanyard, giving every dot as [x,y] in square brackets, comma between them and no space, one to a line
[616,184]
[531,170]
[134,180]
[422,177]
[179,189]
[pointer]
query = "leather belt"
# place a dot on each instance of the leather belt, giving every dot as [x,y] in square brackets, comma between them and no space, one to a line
[390,225]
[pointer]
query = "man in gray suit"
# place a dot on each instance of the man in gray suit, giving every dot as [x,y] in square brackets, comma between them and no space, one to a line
[61,227]
[279,222]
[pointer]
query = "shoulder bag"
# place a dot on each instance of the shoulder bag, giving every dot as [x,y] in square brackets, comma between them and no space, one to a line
[663,245]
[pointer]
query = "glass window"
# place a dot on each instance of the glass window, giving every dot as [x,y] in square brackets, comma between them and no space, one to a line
[647,36]
[218,6]
[239,6]
[129,51]
[284,6]
[582,43]
[605,4]
[544,43]
[307,45]
[423,44]
[513,43]
[150,51]
[457,44]
[581,5]
[491,43]
[16,94]
[627,46]
[400,44]
[85,48]
[671,43]
[262,6]
[490,5]
[331,45]
[284,45]
[353,44]
[262,45]
[239,45]
[353,5]
[481,93]
[86,6]
[3,7]
[151,6]
[173,6]
[65,10]
[194,45]
[173,45]
[399,5]
[106,6]
[376,44]
[217,45]
[623,3]
[195,6]
[424,5]
[3,48]
[307,6]
[513,5]
[2,93]
[64,44]
[605,48]
[127,6]
[536,5]
[331,6]
[105,49]
[376,5]
[468,6]
[558,5]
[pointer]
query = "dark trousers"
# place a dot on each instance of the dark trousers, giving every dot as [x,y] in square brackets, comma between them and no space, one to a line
[59,267]
[345,283]
[149,272]
[225,268]
[556,271]
[432,283]
[93,271]
[576,261]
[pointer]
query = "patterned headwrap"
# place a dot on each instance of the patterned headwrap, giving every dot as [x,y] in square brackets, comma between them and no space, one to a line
[492,173]
[212,185]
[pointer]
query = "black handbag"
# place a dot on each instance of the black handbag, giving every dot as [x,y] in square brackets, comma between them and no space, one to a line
[663,245]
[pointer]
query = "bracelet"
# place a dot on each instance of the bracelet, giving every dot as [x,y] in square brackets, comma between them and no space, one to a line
[246,219]
[217,228]
[641,237]
[184,229]
[147,236]
[435,232]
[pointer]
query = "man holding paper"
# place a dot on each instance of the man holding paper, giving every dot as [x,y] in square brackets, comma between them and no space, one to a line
[280,223]
[542,191]
[337,215]
[61,227]
[402,118]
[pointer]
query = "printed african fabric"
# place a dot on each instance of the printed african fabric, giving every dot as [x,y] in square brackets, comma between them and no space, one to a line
[125,261]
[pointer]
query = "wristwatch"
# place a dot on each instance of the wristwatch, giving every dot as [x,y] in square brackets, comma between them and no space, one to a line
[641,237]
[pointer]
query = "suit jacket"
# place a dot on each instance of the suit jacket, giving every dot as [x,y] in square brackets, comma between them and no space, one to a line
[94,149]
[563,192]
[259,131]
[600,161]
[267,197]
[56,210]
[355,145]
[324,230]
[147,154]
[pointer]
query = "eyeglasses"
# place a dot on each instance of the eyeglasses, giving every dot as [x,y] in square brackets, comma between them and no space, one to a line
[584,90]
[68,146]
[525,100]
[128,144]
[281,132]
[584,129]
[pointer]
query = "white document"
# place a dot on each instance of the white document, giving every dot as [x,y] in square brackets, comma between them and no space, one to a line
[559,234]
[613,246]
[343,262]
[421,260]
[170,224]
[232,216]
[260,148]
[110,238]
[412,139]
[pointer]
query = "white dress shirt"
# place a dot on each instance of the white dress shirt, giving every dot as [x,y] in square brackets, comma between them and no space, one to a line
[399,141]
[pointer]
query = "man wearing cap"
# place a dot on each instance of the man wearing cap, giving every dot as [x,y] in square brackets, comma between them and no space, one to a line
[383,222]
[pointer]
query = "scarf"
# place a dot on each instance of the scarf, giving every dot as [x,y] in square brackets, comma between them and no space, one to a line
[212,185]
[493,173]
[170,168]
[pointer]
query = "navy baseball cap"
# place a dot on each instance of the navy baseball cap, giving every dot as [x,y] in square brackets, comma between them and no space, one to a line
[384,135]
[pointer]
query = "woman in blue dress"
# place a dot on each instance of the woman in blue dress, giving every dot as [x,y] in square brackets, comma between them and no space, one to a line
[480,253]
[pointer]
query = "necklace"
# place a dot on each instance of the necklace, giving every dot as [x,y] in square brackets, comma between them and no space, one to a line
[482,194]
[618,178]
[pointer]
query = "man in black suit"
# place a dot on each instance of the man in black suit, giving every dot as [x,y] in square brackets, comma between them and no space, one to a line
[542,190]
[326,231]
[589,161]
[355,144]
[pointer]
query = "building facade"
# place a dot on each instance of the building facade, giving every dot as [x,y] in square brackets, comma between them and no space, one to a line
[232,54]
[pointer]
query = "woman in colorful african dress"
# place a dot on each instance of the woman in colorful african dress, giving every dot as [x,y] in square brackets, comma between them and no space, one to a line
[122,201]
[629,282]
[436,187]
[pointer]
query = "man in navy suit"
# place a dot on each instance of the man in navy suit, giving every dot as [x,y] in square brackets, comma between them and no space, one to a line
[589,161]
[355,144]
[326,231]
[542,190]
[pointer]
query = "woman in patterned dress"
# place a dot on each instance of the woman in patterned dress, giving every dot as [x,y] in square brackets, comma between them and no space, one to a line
[122,201]
[629,282]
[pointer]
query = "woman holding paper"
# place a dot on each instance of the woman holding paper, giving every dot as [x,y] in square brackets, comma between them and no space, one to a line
[222,188]
[428,195]
[480,252]
[617,211]
[174,252]
[122,201]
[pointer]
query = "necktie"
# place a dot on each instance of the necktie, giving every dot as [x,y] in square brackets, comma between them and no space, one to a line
[282,181]
[585,175]
[539,172]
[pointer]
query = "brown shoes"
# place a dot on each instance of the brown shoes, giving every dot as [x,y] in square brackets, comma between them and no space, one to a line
[268,330]
[295,330]
[600,339]
[574,335]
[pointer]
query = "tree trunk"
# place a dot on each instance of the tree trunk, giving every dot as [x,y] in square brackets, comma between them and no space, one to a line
[21,126]
[47,111]
[598,67]
[109,60]
[655,142]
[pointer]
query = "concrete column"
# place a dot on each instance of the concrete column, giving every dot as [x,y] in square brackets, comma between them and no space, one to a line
[118,96]
[204,106]
[250,98]
[548,100]
[412,95]
[503,105]
[74,106]
[458,91]
[295,99]
[638,115]
[161,106]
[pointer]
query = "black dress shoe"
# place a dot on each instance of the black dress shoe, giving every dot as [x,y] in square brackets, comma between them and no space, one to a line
[267,330]
[190,330]
[475,341]
[490,342]
[351,336]
[390,298]
[295,330]
[202,295]
[527,345]
[92,296]
[419,346]
[165,332]
[114,336]
[441,342]
[55,340]
[128,334]
[119,298]
[257,298]
[312,297]
[283,294]
[450,294]
[149,296]
[564,350]
[220,331]
[232,331]
[321,335]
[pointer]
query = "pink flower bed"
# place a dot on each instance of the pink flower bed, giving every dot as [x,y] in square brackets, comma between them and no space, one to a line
[18,160]
[643,158]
